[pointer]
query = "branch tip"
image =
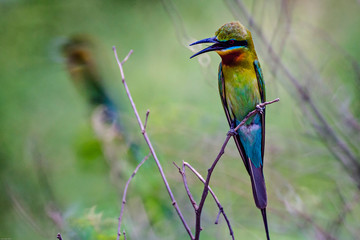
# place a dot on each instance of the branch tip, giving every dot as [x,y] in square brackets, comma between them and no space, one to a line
[146,120]
[59,236]
[176,166]
[218,216]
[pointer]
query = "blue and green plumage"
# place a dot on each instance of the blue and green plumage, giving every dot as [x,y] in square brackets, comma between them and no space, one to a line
[241,89]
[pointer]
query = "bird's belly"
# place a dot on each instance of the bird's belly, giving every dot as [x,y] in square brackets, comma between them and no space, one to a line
[242,95]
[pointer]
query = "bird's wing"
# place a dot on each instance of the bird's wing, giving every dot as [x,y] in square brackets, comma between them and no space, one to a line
[231,120]
[262,194]
[259,76]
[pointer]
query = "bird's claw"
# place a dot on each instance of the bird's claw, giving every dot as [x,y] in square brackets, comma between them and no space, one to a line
[260,109]
[232,132]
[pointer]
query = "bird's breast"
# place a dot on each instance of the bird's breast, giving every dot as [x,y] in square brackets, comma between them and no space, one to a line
[241,90]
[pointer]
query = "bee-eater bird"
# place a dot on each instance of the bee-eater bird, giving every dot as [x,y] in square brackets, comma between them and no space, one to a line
[242,88]
[81,64]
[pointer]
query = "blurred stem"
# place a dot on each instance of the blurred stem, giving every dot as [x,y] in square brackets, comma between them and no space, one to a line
[285,11]
[177,21]
[347,207]
[24,211]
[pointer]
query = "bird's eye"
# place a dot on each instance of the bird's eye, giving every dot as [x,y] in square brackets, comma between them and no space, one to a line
[231,42]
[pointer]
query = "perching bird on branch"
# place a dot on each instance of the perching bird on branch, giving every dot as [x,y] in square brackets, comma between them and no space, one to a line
[241,88]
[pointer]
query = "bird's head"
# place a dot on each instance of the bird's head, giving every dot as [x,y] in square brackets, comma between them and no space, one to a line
[80,54]
[78,50]
[231,40]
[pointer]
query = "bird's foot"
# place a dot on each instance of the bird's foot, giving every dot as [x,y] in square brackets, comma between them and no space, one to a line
[260,109]
[232,132]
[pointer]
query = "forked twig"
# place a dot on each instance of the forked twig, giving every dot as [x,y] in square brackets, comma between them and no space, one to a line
[182,172]
[221,209]
[147,140]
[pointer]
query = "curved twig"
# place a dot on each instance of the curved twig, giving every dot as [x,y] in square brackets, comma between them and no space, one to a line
[124,194]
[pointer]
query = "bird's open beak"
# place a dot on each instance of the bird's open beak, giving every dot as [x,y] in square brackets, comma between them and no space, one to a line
[216,46]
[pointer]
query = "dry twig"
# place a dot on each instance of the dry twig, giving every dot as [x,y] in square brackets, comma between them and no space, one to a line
[124,194]
[148,142]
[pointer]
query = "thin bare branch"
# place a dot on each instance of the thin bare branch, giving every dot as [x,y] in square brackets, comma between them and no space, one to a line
[125,192]
[182,172]
[259,108]
[201,179]
[286,8]
[23,210]
[127,57]
[217,218]
[148,142]
[177,21]
[320,232]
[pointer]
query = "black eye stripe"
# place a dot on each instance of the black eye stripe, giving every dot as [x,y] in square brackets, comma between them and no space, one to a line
[232,42]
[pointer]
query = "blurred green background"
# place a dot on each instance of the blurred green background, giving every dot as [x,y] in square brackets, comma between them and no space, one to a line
[59,175]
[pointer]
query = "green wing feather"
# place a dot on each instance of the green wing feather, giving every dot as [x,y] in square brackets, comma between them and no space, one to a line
[259,76]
